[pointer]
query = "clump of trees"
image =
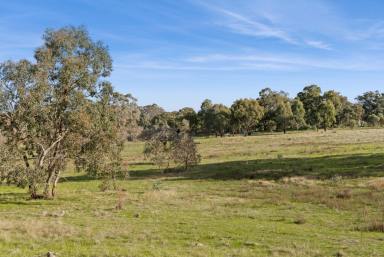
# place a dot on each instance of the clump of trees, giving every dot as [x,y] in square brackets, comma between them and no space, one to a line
[275,111]
[60,107]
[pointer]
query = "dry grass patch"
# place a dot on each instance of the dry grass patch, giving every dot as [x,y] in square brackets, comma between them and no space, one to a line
[36,229]
[377,184]
[160,195]
[373,226]
[344,194]
[262,183]
[299,180]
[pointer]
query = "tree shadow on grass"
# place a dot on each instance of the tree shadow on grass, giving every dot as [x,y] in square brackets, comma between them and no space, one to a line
[13,198]
[351,166]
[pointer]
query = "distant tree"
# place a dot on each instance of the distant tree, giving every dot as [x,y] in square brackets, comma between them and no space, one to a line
[165,119]
[311,99]
[221,119]
[298,113]
[372,103]
[148,113]
[166,145]
[43,106]
[189,114]
[284,115]
[206,116]
[351,115]
[373,120]
[339,102]
[158,146]
[272,102]
[327,114]
[246,114]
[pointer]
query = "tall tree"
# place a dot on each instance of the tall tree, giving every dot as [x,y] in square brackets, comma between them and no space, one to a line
[246,114]
[298,112]
[272,102]
[372,103]
[43,105]
[327,114]
[189,114]
[311,99]
[284,115]
[148,113]
[339,102]
[221,119]
[206,116]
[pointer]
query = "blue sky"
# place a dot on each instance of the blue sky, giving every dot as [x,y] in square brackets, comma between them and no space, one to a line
[179,52]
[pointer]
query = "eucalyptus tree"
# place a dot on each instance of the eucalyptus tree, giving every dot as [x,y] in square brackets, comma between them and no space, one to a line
[298,113]
[220,119]
[311,99]
[327,114]
[43,107]
[246,115]
[284,115]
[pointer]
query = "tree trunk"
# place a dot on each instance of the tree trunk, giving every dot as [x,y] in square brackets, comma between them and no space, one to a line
[56,180]
[48,182]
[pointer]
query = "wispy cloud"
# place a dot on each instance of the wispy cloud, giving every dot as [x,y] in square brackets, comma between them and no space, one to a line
[372,30]
[245,25]
[249,62]
[262,25]
[318,44]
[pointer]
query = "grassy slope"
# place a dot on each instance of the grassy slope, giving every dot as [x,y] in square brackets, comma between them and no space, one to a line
[238,202]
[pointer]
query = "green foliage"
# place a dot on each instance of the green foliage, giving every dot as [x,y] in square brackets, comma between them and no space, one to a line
[167,145]
[284,115]
[44,106]
[311,99]
[158,146]
[298,113]
[100,154]
[221,119]
[246,114]
[184,152]
[327,114]
[372,103]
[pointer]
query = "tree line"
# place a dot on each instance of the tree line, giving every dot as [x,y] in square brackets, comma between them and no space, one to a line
[271,111]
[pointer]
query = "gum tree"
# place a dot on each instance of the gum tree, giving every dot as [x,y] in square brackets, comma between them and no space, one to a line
[43,107]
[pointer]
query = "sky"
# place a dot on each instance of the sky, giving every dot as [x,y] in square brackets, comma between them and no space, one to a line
[177,53]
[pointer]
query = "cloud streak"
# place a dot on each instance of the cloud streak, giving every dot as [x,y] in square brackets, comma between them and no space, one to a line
[249,62]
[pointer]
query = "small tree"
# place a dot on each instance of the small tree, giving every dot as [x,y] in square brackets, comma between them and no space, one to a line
[166,145]
[158,146]
[185,152]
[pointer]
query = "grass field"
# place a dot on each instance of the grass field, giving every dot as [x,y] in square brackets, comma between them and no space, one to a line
[299,194]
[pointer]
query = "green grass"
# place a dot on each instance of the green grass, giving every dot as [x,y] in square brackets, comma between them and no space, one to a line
[299,194]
